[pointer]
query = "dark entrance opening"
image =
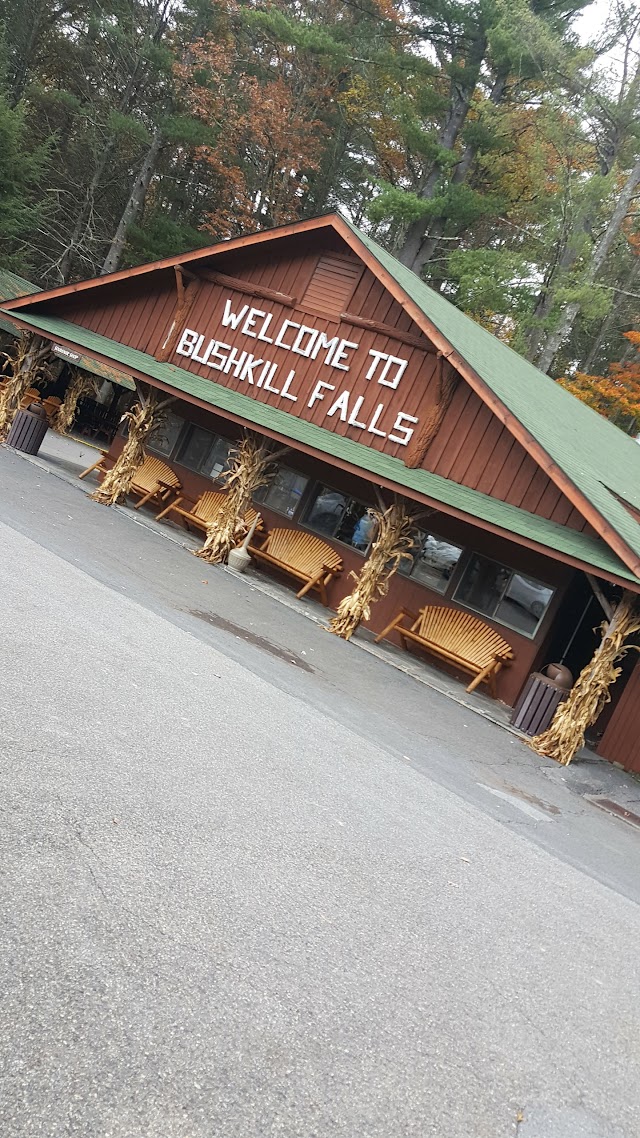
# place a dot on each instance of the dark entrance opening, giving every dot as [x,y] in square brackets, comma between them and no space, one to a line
[576,637]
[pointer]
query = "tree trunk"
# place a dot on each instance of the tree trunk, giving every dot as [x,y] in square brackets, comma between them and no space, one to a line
[461,171]
[600,254]
[411,252]
[568,254]
[134,206]
[65,263]
[28,26]
[628,285]
[155,29]
[564,262]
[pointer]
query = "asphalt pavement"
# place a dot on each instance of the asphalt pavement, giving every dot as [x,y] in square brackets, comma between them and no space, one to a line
[256,882]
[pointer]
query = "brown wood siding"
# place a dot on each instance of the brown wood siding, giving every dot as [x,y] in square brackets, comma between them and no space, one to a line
[621,740]
[472,446]
[143,321]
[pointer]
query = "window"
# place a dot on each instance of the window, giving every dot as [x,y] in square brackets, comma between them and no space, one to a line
[510,598]
[337,515]
[204,452]
[283,492]
[165,436]
[218,458]
[195,448]
[434,561]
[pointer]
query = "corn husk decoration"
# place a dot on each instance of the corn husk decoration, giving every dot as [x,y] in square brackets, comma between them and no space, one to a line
[27,367]
[394,539]
[143,418]
[81,383]
[591,692]
[248,470]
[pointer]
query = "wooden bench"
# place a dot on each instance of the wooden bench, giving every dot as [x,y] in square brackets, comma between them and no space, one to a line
[302,556]
[457,637]
[204,510]
[153,481]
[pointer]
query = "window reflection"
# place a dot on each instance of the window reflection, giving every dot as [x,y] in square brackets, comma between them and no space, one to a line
[204,452]
[284,492]
[524,603]
[511,598]
[434,560]
[195,448]
[217,459]
[165,436]
[339,516]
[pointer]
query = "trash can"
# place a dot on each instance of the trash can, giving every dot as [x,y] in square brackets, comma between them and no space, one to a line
[537,704]
[28,429]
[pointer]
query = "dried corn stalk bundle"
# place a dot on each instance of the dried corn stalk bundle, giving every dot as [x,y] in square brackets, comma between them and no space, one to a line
[27,368]
[143,418]
[590,693]
[393,540]
[80,384]
[248,470]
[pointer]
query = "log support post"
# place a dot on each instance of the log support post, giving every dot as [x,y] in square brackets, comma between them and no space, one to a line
[446,383]
[187,286]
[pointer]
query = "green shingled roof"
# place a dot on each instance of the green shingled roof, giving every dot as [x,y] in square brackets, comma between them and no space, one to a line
[12,286]
[549,535]
[599,459]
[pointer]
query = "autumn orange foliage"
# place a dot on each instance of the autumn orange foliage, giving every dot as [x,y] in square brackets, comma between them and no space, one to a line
[615,395]
[268,132]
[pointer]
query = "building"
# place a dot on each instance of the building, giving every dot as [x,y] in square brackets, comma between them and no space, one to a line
[315,336]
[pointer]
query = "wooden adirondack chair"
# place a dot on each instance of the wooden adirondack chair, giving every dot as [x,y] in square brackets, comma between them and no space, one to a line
[31,395]
[204,510]
[302,556]
[457,637]
[153,481]
[51,405]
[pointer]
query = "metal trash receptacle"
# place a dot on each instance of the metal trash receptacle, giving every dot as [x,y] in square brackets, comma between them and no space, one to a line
[28,429]
[536,704]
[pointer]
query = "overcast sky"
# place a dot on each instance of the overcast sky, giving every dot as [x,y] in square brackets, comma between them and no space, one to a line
[592,19]
[590,25]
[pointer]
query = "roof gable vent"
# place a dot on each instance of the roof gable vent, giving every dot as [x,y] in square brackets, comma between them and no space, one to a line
[331,286]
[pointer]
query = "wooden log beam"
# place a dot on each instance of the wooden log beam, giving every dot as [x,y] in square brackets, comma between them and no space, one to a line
[388,330]
[248,287]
